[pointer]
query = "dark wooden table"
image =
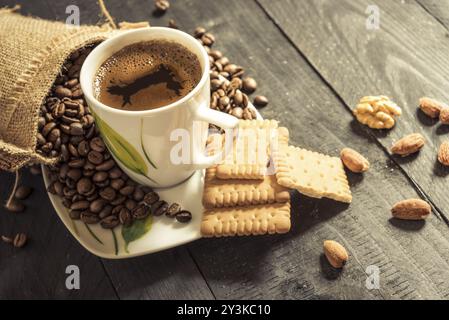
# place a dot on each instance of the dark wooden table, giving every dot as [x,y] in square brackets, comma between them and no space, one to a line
[314,59]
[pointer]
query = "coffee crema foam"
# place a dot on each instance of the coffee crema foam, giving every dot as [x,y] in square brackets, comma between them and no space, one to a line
[147,75]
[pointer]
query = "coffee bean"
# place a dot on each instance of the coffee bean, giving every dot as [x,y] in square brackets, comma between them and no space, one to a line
[108,193]
[199,32]
[74,174]
[75,214]
[76,129]
[117,184]
[89,217]
[172,24]
[115,172]
[260,101]
[100,176]
[237,112]
[20,240]
[110,222]
[159,208]
[208,39]
[7,239]
[95,157]
[162,5]
[54,135]
[84,186]
[184,216]
[62,92]
[48,128]
[173,210]
[126,191]
[15,206]
[80,205]
[106,166]
[138,194]
[97,205]
[59,188]
[150,198]
[125,217]
[140,212]
[105,212]
[35,170]
[83,148]
[130,204]
[71,83]
[97,144]
[118,200]
[23,192]
[59,110]
[249,85]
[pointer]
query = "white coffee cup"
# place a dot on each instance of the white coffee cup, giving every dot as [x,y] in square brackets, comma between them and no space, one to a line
[145,143]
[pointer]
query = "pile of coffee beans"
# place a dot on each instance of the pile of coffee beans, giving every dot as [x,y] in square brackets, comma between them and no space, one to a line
[92,186]
[229,89]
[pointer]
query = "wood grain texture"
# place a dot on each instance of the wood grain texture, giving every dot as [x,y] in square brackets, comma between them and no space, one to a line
[37,271]
[291,266]
[413,257]
[405,59]
[437,8]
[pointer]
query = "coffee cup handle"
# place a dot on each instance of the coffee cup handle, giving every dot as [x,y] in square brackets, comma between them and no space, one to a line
[220,119]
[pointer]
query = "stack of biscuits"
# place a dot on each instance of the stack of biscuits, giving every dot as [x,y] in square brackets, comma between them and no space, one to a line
[248,192]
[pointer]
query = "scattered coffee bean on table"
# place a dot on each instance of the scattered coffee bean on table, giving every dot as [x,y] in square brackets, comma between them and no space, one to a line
[6,239]
[161,5]
[20,240]
[15,206]
[23,192]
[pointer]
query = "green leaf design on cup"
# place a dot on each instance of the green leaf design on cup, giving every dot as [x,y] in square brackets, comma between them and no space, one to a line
[122,149]
[136,231]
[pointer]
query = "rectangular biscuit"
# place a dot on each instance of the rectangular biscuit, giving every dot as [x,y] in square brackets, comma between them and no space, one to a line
[313,174]
[231,193]
[250,154]
[245,221]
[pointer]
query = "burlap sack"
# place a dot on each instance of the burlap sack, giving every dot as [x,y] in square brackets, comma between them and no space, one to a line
[31,54]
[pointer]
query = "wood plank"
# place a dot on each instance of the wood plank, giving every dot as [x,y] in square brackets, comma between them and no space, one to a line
[437,8]
[168,275]
[405,59]
[37,271]
[291,266]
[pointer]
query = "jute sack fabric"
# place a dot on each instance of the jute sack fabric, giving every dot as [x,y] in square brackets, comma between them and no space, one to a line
[32,52]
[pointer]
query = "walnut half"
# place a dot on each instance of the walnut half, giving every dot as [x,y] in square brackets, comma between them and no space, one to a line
[377,112]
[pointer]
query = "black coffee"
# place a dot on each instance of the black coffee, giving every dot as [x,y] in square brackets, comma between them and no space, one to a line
[147,75]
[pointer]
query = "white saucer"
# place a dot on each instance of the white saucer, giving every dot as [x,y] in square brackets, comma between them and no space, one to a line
[165,232]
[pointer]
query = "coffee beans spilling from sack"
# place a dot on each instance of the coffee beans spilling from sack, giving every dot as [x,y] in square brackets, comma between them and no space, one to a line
[92,186]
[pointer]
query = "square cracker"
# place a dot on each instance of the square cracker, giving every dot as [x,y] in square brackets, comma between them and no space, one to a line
[231,193]
[313,174]
[245,221]
[249,156]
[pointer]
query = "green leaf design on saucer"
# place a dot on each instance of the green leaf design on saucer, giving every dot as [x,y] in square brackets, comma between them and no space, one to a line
[122,149]
[136,231]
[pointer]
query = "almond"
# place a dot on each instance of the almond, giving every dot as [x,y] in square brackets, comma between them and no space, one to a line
[444,115]
[430,107]
[411,209]
[408,145]
[335,253]
[443,154]
[354,161]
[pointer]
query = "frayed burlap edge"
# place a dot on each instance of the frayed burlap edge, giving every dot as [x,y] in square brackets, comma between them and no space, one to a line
[46,67]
